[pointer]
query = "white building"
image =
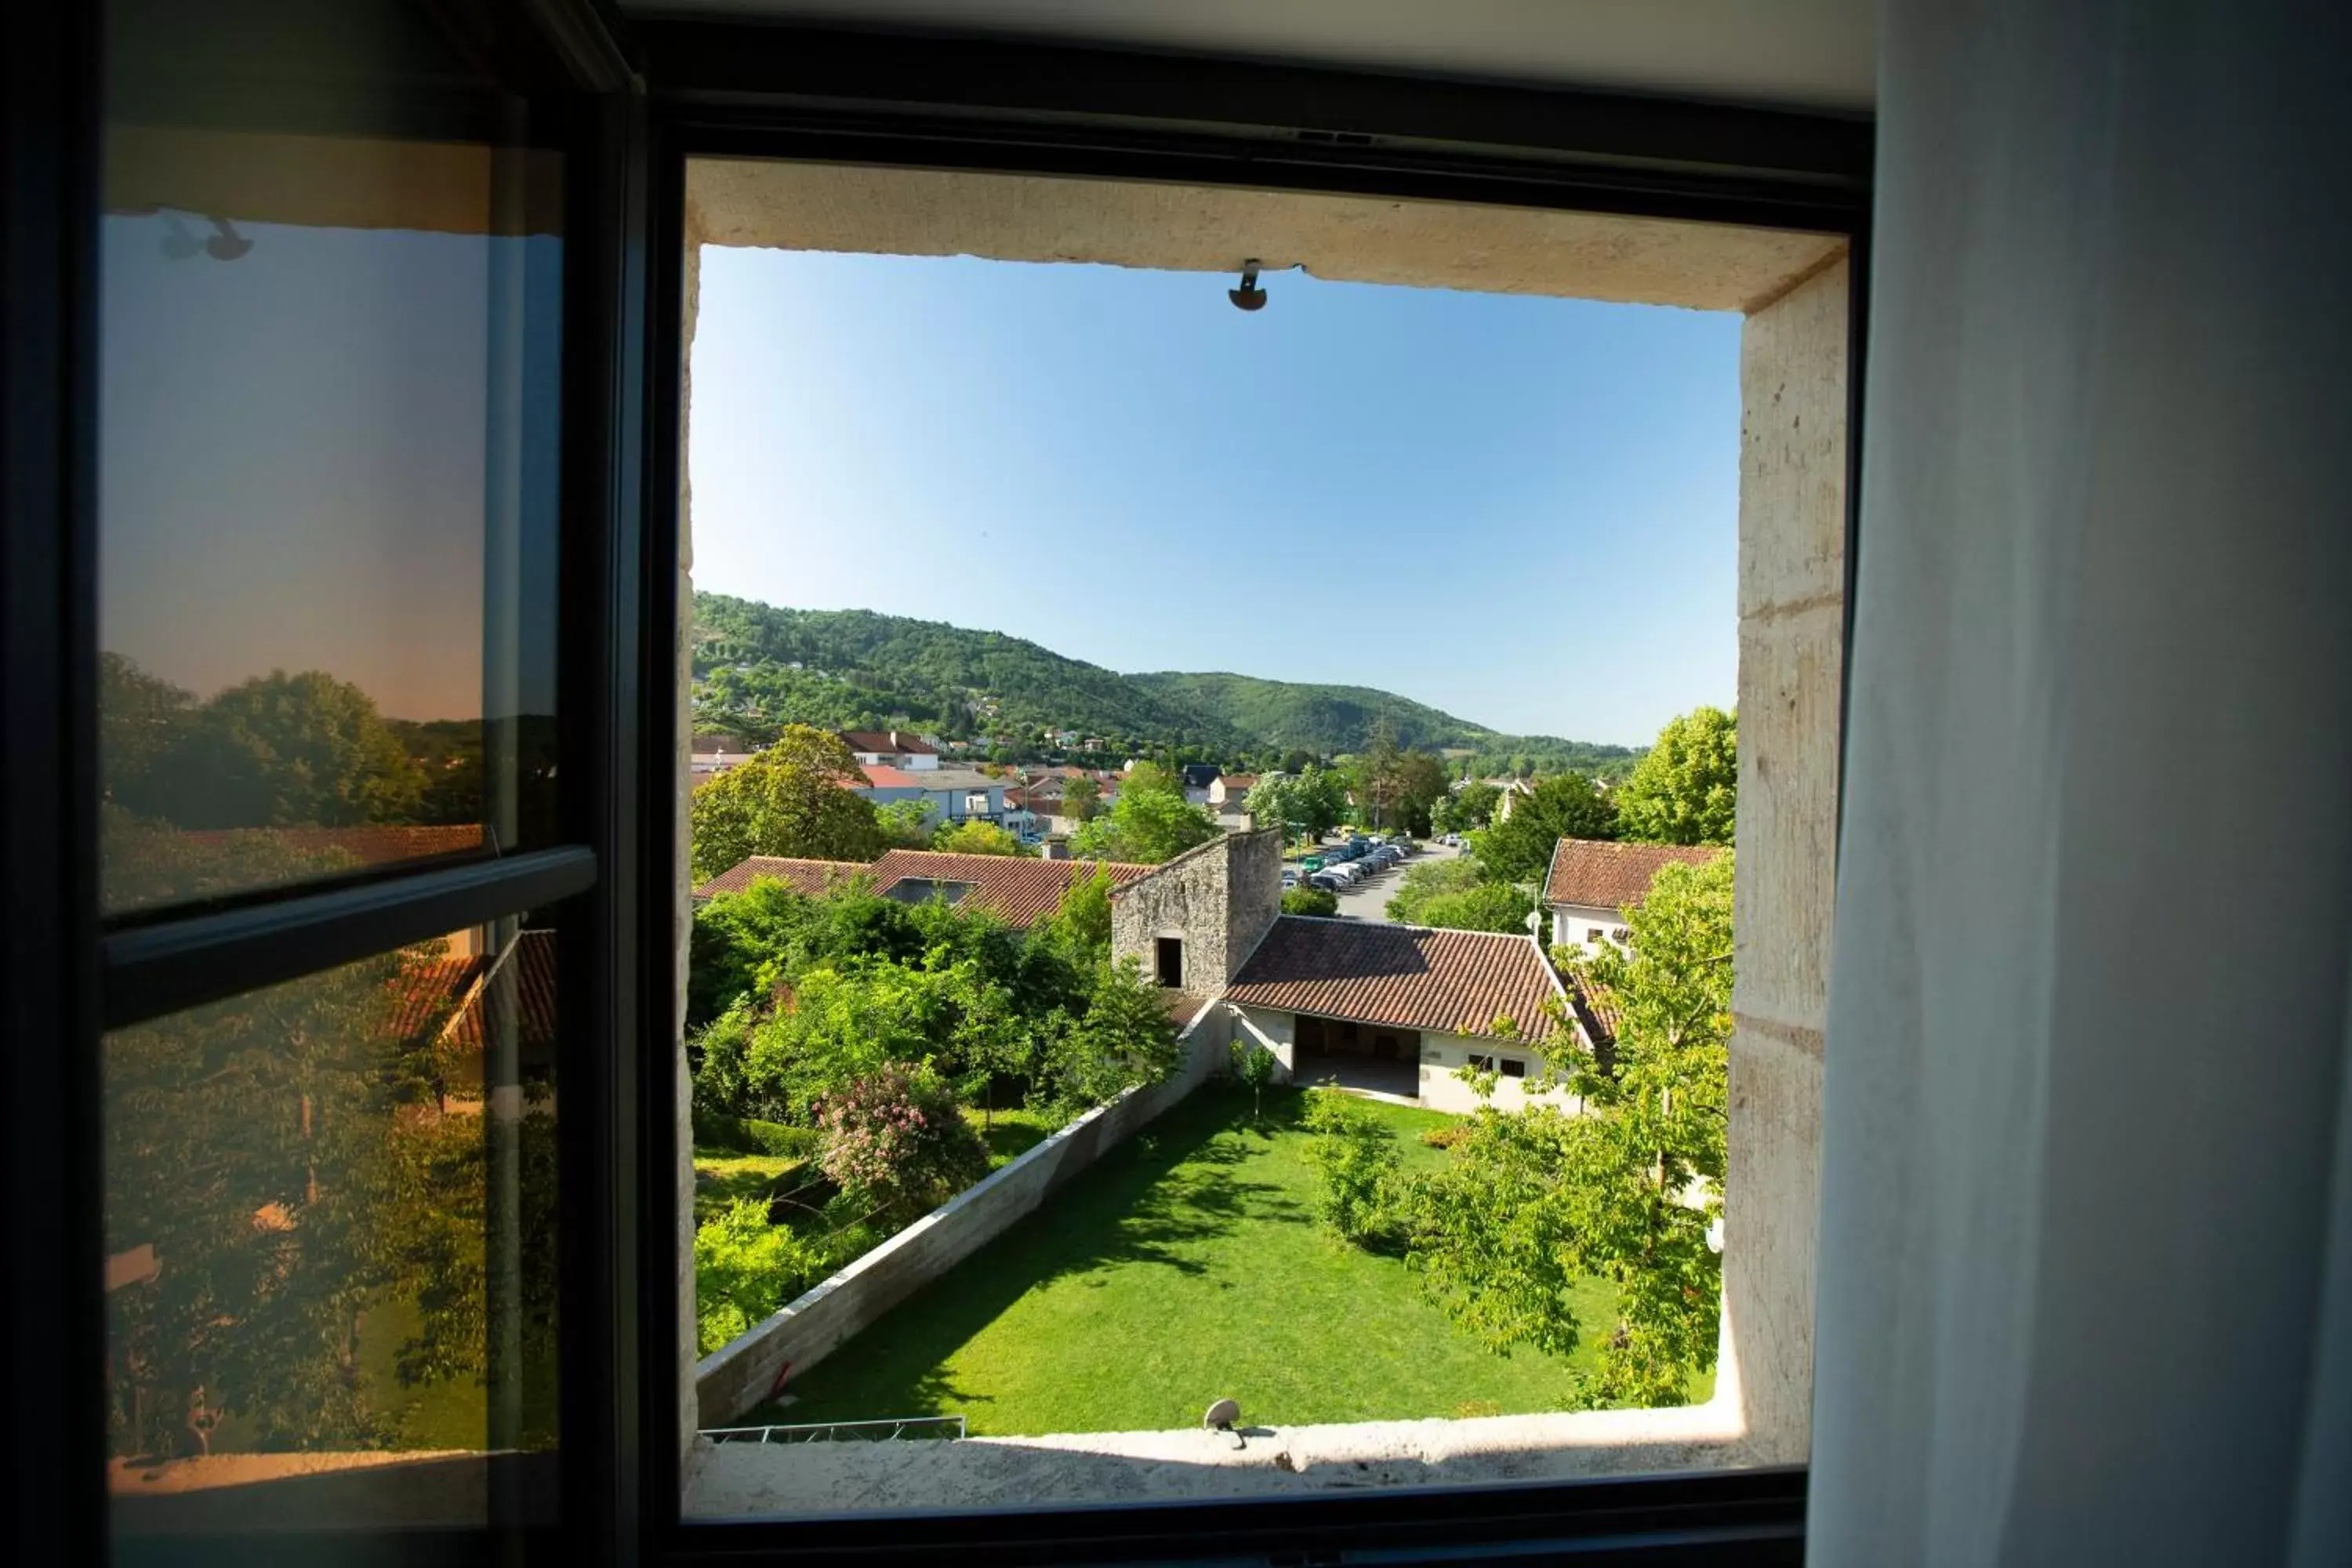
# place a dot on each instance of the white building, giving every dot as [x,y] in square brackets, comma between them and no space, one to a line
[1592,881]
[891,749]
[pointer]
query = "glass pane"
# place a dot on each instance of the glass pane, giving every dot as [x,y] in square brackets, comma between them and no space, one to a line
[328,433]
[331,1221]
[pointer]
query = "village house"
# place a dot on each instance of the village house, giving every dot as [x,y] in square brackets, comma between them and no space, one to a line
[1590,882]
[711,756]
[891,749]
[1402,1012]
[949,795]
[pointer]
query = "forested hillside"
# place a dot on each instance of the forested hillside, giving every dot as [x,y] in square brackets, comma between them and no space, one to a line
[1339,719]
[862,670]
[757,668]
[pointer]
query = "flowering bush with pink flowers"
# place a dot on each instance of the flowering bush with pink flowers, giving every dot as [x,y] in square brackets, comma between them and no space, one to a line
[895,1141]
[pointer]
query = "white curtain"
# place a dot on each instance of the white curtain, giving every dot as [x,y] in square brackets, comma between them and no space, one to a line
[2085,1284]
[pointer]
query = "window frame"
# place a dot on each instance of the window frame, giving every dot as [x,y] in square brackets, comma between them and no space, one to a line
[638,100]
[784,90]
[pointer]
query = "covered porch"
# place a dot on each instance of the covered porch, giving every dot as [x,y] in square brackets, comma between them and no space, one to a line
[1377,1059]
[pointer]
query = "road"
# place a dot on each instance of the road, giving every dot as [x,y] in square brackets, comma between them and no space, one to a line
[1368,899]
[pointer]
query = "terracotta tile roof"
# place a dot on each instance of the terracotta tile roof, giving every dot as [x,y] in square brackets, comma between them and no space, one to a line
[444,997]
[1244,782]
[1604,876]
[882,776]
[1456,981]
[383,844]
[905,741]
[812,876]
[1020,889]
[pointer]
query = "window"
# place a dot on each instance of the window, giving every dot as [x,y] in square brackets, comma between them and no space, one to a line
[1514,1067]
[362,872]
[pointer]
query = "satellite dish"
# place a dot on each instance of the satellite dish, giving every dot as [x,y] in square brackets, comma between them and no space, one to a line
[1221,1415]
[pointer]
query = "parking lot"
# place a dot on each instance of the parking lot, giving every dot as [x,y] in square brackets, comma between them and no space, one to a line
[1367,899]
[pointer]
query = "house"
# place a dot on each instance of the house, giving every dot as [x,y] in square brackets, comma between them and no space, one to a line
[1197,778]
[1513,792]
[1231,789]
[892,749]
[713,754]
[951,795]
[1018,890]
[1405,1011]
[1590,881]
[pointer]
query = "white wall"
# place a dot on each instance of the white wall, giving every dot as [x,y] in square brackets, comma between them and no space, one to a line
[1571,925]
[1443,1086]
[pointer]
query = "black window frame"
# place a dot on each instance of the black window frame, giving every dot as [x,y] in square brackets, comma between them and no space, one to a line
[639,99]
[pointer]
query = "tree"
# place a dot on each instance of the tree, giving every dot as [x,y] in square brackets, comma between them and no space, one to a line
[1431,880]
[1150,822]
[1082,920]
[1489,906]
[1686,790]
[1124,1041]
[285,751]
[1627,1191]
[1378,782]
[1255,1066]
[792,799]
[744,1269]
[905,823]
[976,838]
[1466,809]
[1355,1154]
[1310,901]
[140,722]
[1421,786]
[897,1142]
[1081,799]
[1518,847]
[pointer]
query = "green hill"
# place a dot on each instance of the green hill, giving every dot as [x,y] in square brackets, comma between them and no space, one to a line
[859,670]
[1336,719]
[757,668]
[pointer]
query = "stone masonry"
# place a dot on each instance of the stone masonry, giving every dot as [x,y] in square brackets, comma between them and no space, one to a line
[1219,899]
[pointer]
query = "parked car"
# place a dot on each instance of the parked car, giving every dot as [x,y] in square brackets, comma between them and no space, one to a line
[1312,864]
[1289,878]
[1326,880]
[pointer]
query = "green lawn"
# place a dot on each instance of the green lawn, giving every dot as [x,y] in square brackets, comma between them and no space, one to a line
[1185,1265]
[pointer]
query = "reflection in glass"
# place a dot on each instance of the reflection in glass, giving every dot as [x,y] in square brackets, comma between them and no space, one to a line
[328,434]
[330,1218]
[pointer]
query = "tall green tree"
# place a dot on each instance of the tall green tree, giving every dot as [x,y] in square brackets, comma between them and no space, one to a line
[1081,799]
[1466,810]
[285,750]
[1517,848]
[1686,790]
[977,838]
[1150,822]
[1421,786]
[1627,1191]
[1378,782]
[794,799]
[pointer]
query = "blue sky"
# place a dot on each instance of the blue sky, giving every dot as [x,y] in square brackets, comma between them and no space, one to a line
[1520,510]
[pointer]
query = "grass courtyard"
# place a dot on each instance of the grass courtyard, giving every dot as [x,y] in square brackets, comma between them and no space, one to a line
[1185,1265]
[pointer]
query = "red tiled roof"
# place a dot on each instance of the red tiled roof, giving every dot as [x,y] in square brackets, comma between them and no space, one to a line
[811,877]
[1456,981]
[883,776]
[1019,888]
[902,740]
[1601,875]
[1240,782]
[444,997]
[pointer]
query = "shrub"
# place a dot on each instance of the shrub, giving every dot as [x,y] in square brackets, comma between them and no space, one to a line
[1124,1038]
[1492,906]
[897,1142]
[1447,1136]
[1355,1154]
[1255,1066]
[1310,901]
[748,1135]
[744,1269]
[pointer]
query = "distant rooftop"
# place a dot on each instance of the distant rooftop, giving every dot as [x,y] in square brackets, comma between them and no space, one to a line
[1454,982]
[1598,874]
